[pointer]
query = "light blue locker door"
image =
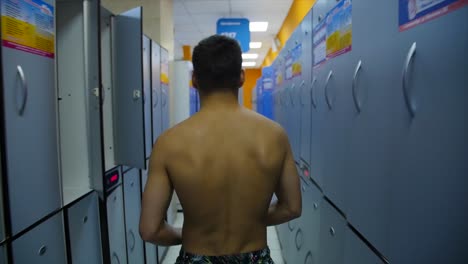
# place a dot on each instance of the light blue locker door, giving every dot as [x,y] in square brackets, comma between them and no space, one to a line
[116,226]
[318,117]
[356,251]
[44,244]
[295,118]
[332,235]
[429,209]
[127,58]
[311,211]
[84,230]
[305,94]
[3,255]
[91,25]
[30,107]
[156,86]
[379,121]
[336,123]
[132,203]
[165,90]
[147,95]
[150,249]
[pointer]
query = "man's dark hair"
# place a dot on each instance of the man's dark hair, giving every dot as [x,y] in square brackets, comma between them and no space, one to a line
[217,63]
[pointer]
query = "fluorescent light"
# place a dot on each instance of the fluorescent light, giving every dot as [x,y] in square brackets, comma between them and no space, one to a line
[248,63]
[249,56]
[258,26]
[255,45]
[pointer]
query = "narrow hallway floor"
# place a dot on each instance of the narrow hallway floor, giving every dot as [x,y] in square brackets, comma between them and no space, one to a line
[272,237]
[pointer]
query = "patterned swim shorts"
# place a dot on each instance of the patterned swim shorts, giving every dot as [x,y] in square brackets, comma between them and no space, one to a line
[255,257]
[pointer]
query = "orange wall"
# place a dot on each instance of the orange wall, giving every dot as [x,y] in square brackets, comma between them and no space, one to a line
[296,14]
[251,76]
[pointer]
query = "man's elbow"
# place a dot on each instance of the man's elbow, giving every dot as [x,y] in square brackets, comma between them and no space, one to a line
[295,212]
[149,234]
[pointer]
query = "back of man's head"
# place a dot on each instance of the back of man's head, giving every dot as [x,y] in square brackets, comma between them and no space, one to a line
[217,64]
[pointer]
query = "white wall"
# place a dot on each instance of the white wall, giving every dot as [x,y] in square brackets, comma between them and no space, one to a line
[181,72]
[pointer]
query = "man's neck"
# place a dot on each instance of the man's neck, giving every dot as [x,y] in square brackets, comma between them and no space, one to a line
[219,100]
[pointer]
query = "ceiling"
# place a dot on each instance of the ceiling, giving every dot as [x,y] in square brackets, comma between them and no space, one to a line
[196,19]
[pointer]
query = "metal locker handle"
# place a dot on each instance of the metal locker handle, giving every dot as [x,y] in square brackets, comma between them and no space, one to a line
[163,98]
[24,90]
[299,239]
[130,233]
[312,93]
[300,89]
[409,59]
[136,94]
[290,93]
[115,258]
[332,231]
[355,76]
[315,206]
[327,96]
[309,259]
[156,99]
[42,250]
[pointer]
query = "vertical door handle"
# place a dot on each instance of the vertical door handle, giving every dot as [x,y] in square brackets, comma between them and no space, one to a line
[301,88]
[290,93]
[115,258]
[23,92]
[312,93]
[133,241]
[327,96]
[409,59]
[355,76]
[156,99]
[42,250]
[299,239]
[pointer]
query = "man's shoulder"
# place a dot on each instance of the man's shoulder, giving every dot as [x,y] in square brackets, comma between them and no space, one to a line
[264,123]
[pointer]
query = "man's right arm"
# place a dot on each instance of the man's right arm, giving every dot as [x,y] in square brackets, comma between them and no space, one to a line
[289,203]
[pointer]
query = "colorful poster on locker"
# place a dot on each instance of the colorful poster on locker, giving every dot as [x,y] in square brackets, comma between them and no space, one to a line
[28,25]
[416,12]
[279,72]
[339,29]
[320,43]
[164,67]
[294,63]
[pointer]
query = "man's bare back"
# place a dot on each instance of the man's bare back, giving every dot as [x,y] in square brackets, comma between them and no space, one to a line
[224,166]
[225,163]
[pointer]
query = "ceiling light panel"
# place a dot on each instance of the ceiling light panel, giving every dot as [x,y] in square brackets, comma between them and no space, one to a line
[249,56]
[255,45]
[258,26]
[249,64]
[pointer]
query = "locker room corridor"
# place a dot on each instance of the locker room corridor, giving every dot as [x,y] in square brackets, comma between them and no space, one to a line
[372,96]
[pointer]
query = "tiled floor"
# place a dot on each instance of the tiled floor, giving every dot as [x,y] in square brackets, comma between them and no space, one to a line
[273,243]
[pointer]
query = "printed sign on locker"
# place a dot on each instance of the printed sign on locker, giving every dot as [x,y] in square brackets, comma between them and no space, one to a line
[236,28]
[28,26]
[415,12]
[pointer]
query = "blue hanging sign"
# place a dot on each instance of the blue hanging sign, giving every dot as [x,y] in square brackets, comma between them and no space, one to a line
[236,28]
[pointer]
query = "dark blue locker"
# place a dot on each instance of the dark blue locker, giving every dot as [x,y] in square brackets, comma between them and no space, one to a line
[305,95]
[429,205]
[127,59]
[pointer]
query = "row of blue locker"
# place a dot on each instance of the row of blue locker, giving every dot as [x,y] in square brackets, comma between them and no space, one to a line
[380,132]
[70,116]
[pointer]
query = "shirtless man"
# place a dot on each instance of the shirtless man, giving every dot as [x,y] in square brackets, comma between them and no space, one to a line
[225,163]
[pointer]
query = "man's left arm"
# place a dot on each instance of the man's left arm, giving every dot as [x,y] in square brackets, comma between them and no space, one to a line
[156,199]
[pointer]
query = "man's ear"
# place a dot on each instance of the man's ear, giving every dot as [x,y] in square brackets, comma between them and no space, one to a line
[242,79]
[194,81]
